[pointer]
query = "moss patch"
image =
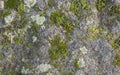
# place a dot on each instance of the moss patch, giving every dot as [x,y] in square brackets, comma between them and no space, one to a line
[116,43]
[93,32]
[67,73]
[2,56]
[51,3]
[60,19]
[58,49]
[117,60]
[12,4]
[77,6]
[76,64]
[101,4]
[115,11]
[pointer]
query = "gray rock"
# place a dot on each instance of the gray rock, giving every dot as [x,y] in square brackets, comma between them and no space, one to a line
[42,4]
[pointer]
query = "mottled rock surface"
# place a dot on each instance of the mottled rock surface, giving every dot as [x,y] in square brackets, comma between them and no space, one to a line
[60,37]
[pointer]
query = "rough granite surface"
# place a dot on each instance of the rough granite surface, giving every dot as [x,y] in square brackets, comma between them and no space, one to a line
[59,37]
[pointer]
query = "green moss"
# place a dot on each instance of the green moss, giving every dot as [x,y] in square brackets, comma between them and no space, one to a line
[77,6]
[2,56]
[19,40]
[14,73]
[115,9]
[93,32]
[21,8]
[6,41]
[60,19]
[58,49]
[34,29]
[117,60]
[28,66]
[4,13]
[101,4]
[67,73]
[36,8]
[51,3]
[30,45]
[19,24]
[12,4]
[116,43]
[76,64]
[57,64]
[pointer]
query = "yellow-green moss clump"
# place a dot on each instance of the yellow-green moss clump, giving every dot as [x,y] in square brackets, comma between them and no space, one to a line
[115,11]
[58,49]
[51,3]
[101,4]
[77,6]
[76,64]
[67,73]
[60,19]
[116,43]
[2,56]
[4,14]
[93,32]
[12,4]
[117,60]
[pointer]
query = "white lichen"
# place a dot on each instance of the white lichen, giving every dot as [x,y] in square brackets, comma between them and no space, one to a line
[25,71]
[34,39]
[42,27]
[26,9]
[38,19]
[49,73]
[81,62]
[84,50]
[8,19]
[30,3]
[43,68]
[1,5]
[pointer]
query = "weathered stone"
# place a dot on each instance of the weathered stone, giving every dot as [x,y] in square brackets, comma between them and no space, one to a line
[1,5]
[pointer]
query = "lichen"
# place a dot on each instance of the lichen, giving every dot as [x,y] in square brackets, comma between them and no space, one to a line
[30,3]
[8,19]
[38,19]
[79,63]
[43,68]
[83,50]
[1,5]
[34,39]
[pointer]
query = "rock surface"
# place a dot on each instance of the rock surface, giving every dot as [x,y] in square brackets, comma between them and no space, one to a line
[60,37]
